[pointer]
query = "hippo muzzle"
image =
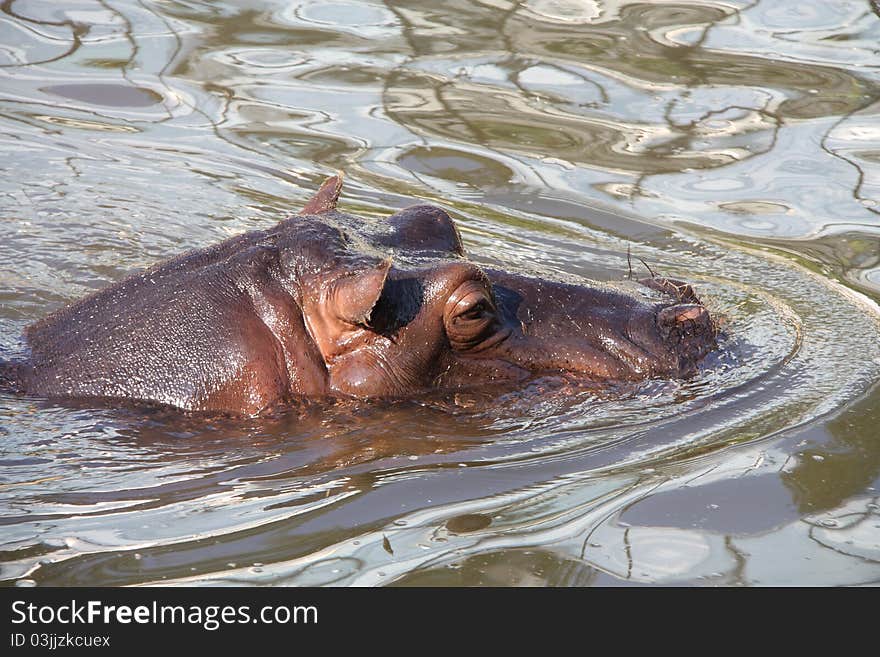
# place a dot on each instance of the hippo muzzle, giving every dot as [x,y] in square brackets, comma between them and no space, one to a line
[594,332]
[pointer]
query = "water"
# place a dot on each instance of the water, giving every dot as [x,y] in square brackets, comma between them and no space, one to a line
[734,144]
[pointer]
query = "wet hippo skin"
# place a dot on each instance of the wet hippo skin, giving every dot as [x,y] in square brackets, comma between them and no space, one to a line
[328,304]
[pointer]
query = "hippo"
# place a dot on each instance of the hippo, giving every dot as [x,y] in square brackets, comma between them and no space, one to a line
[328,305]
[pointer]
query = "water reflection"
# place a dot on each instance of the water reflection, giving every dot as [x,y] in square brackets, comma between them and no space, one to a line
[745,133]
[837,462]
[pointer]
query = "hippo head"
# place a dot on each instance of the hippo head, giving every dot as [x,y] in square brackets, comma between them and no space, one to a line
[395,308]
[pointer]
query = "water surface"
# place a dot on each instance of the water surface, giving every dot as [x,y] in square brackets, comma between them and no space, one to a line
[735,144]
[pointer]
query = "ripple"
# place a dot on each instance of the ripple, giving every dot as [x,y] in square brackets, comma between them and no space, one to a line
[564,11]
[110,95]
[348,14]
[454,165]
[360,18]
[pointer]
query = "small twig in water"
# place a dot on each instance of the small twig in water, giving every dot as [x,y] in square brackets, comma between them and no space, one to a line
[650,271]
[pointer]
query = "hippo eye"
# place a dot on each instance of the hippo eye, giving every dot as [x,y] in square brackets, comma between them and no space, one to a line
[477,311]
[470,314]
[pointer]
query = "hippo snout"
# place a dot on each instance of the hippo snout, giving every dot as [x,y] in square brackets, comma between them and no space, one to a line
[688,333]
[683,321]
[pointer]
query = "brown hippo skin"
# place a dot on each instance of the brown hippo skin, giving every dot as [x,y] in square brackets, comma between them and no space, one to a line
[326,304]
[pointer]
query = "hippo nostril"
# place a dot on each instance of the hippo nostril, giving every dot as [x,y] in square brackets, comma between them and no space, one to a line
[683,319]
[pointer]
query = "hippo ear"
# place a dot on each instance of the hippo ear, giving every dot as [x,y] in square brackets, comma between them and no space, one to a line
[356,295]
[326,197]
